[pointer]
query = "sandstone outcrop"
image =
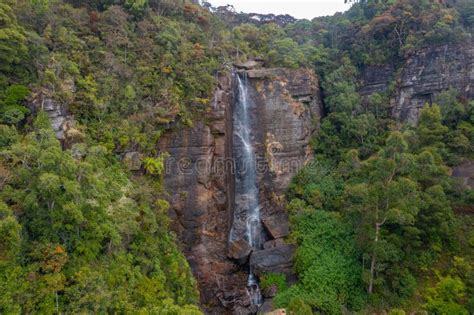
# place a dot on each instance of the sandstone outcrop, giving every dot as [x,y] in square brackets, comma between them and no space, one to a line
[199,181]
[430,71]
[62,122]
[422,77]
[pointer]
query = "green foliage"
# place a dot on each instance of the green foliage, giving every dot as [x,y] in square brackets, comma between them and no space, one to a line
[12,42]
[155,166]
[444,298]
[80,235]
[341,132]
[285,52]
[11,109]
[93,240]
[340,88]
[298,307]
[397,311]
[396,198]
[326,263]
[273,279]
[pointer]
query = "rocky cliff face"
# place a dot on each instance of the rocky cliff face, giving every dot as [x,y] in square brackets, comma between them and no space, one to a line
[62,122]
[422,77]
[199,180]
[431,71]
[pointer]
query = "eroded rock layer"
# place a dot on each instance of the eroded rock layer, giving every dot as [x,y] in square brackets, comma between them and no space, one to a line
[199,181]
[430,71]
[422,76]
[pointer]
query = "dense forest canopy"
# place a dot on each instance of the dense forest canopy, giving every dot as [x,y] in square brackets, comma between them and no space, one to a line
[374,217]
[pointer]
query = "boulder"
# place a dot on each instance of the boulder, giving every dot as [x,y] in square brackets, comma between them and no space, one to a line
[273,243]
[239,249]
[267,306]
[277,226]
[276,259]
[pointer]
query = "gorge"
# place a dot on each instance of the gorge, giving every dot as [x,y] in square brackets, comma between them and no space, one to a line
[177,158]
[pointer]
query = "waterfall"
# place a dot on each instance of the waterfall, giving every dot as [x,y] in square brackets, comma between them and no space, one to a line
[247,222]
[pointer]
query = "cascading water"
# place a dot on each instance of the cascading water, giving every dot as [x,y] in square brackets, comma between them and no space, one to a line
[247,220]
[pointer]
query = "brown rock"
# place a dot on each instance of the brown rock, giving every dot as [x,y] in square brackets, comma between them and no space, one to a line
[285,105]
[239,249]
[266,73]
[277,226]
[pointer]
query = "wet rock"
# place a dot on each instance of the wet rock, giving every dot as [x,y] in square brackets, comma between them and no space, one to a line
[220,199]
[276,259]
[273,243]
[277,226]
[197,188]
[133,160]
[239,249]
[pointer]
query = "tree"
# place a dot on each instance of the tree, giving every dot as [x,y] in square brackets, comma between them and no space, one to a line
[444,298]
[12,42]
[381,194]
[286,52]
[430,127]
[10,271]
[340,86]
[82,213]
[12,110]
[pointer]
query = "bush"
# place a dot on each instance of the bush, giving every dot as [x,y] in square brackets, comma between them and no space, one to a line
[271,278]
[297,306]
[445,297]
[397,311]
[326,262]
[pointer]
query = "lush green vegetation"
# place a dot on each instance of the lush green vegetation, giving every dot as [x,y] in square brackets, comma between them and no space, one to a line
[79,235]
[373,216]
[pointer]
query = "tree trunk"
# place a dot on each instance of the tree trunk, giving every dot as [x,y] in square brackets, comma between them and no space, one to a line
[372,263]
